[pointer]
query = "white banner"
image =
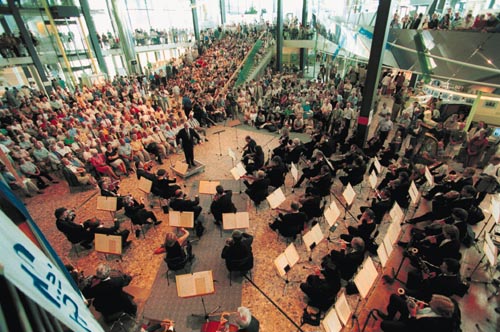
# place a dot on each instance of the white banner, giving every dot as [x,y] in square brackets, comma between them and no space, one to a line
[27,267]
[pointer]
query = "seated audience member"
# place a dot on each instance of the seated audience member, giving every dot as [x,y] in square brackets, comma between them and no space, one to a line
[258,189]
[180,203]
[238,248]
[290,224]
[438,315]
[445,281]
[98,160]
[221,203]
[489,180]
[246,321]
[32,171]
[26,185]
[178,247]
[80,173]
[106,290]
[137,212]
[349,260]
[113,159]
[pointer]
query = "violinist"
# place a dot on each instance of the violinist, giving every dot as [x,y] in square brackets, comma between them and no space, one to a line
[321,183]
[248,149]
[283,140]
[221,203]
[313,168]
[291,223]
[257,190]
[254,161]
[163,186]
[293,151]
[276,171]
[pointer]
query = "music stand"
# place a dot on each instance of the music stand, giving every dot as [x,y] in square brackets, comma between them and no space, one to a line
[284,263]
[108,244]
[145,185]
[295,174]
[218,135]
[238,171]
[109,204]
[331,214]
[429,177]
[181,219]
[234,124]
[364,280]
[372,179]
[232,155]
[312,239]
[196,284]
[349,195]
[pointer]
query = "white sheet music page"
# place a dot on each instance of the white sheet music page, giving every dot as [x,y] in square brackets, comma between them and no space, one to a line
[295,172]
[331,322]
[276,198]
[349,194]
[343,309]
[373,179]
[291,254]
[366,276]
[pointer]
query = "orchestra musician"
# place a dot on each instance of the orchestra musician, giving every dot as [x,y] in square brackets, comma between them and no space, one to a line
[380,204]
[291,223]
[348,259]
[293,151]
[248,149]
[364,229]
[180,203]
[258,189]
[221,203]
[321,183]
[254,161]
[313,168]
[276,171]
[163,186]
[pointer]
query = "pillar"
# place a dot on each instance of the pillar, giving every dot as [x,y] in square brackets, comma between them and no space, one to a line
[432,8]
[84,4]
[440,6]
[222,6]
[279,37]
[29,44]
[379,40]
[303,51]
[124,34]
[196,28]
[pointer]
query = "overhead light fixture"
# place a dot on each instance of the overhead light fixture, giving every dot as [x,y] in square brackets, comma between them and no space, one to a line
[489,61]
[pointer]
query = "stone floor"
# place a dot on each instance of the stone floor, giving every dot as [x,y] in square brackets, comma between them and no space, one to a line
[142,264]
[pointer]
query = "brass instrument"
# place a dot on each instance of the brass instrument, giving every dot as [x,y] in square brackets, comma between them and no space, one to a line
[410,299]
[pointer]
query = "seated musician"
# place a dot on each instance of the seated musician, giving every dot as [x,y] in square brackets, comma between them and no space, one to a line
[380,205]
[137,212]
[221,203]
[310,204]
[238,247]
[321,183]
[163,185]
[322,291]
[246,321]
[347,158]
[452,182]
[355,172]
[429,279]
[349,259]
[290,224]
[283,140]
[313,168]
[294,151]
[438,315]
[254,161]
[276,171]
[180,203]
[248,149]
[364,229]
[257,190]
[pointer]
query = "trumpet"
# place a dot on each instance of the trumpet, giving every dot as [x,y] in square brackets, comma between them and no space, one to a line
[410,299]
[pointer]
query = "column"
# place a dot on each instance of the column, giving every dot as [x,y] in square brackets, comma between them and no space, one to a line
[303,51]
[222,6]
[380,32]
[440,6]
[29,44]
[195,20]
[279,37]
[432,8]
[126,41]
[84,4]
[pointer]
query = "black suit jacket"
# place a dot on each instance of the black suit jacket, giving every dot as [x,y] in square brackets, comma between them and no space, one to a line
[75,233]
[187,142]
[223,204]
[181,204]
[348,263]
[292,223]
[257,191]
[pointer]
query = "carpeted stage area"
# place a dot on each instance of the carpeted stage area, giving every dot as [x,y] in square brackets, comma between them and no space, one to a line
[164,301]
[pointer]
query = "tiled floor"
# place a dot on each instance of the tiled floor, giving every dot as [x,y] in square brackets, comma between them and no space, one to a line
[139,261]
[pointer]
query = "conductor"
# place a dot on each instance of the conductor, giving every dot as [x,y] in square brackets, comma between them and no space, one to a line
[187,136]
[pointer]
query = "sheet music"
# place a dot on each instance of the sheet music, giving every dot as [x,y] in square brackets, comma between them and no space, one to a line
[393,231]
[495,208]
[313,237]
[107,203]
[276,198]
[238,171]
[181,167]
[332,214]
[490,250]
[349,194]
[373,179]
[181,219]
[195,284]
[231,154]
[291,254]
[377,165]
[388,245]
[382,254]
[144,185]
[235,220]
[281,263]
[331,322]
[428,176]
[208,187]
[343,309]
[294,171]
[414,193]
[108,244]
[366,276]
[396,213]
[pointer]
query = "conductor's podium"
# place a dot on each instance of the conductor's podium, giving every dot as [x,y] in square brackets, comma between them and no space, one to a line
[182,170]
